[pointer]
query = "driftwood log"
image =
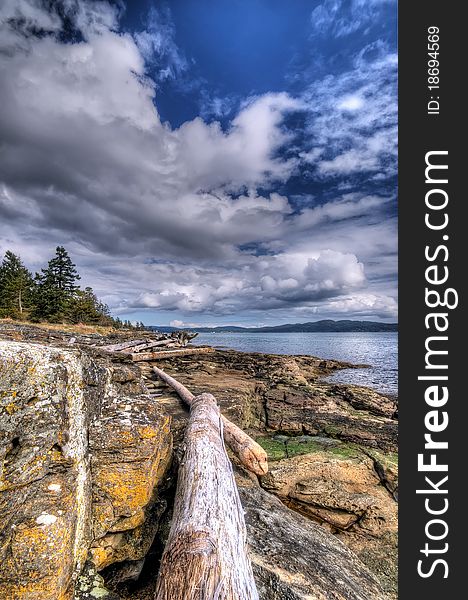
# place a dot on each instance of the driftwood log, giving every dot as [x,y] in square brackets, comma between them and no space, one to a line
[175,339]
[121,346]
[251,454]
[205,557]
[148,345]
[145,356]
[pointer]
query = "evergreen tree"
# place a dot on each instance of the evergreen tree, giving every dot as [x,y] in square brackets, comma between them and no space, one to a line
[62,272]
[16,286]
[82,309]
[85,307]
[56,288]
[53,295]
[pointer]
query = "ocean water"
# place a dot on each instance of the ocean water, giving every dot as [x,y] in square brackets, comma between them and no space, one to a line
[379,350]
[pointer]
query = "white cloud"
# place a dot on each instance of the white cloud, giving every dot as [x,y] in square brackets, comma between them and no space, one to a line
[352,119]
[364,305]
[157,44]
[170,219]
[351,103]
[253,283]
[339,18]
[177,323]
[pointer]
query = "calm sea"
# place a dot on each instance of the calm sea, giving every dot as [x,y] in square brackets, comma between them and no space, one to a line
[380,350]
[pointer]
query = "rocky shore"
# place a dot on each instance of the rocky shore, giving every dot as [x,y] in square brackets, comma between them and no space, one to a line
[90,447]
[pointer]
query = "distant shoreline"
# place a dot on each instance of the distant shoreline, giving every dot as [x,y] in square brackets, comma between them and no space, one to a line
[324,326]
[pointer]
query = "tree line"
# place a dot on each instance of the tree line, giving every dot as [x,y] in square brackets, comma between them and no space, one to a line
[52,295]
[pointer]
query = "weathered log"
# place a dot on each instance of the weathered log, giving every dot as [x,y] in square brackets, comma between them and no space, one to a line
[206,557]
[147,346]
[251,454]
[167,354]
[121,346]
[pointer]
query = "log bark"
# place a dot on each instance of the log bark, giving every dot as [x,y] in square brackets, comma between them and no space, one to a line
[252,455]
[206,557]
[142,356]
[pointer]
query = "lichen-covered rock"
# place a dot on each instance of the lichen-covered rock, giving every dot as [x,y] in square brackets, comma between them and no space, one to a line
[86,443]
[45,506]
[90,586]
[82,453]
[130,446]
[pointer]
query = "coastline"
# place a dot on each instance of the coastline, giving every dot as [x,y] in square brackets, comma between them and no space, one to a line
[376,349]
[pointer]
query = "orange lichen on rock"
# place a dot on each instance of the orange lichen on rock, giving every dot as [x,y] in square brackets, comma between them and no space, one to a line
[129,461]
[65,423]
[39,554]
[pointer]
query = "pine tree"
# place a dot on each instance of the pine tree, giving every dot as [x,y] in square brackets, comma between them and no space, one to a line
[62,272]
[16,286]
[55,287]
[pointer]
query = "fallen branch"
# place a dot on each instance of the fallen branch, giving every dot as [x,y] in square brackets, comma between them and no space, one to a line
[167,354]
[205,557]
[251,454]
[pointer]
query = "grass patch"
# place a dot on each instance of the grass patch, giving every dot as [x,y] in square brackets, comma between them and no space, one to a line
[275,449]
[78,328]
[278,449]
[295,448]
[292,446]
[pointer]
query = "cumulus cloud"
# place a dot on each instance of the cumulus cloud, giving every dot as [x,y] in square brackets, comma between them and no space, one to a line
[164,219]
[364,305]
[270,282]
[84,144]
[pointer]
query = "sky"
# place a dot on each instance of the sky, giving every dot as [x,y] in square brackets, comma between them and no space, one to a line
[205,162]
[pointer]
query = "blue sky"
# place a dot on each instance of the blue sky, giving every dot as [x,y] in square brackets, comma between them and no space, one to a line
[206,162]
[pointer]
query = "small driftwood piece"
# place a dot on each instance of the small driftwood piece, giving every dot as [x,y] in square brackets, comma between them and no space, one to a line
[142,356]
[252,455]
[206,557]
[183,337]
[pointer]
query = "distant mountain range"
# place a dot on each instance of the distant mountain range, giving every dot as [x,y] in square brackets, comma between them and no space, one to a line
[311,327]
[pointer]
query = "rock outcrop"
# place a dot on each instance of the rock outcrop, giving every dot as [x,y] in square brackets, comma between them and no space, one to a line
[86,443]
[286,394]
[346,490]
[295,559]
[83,450]
[337,486]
